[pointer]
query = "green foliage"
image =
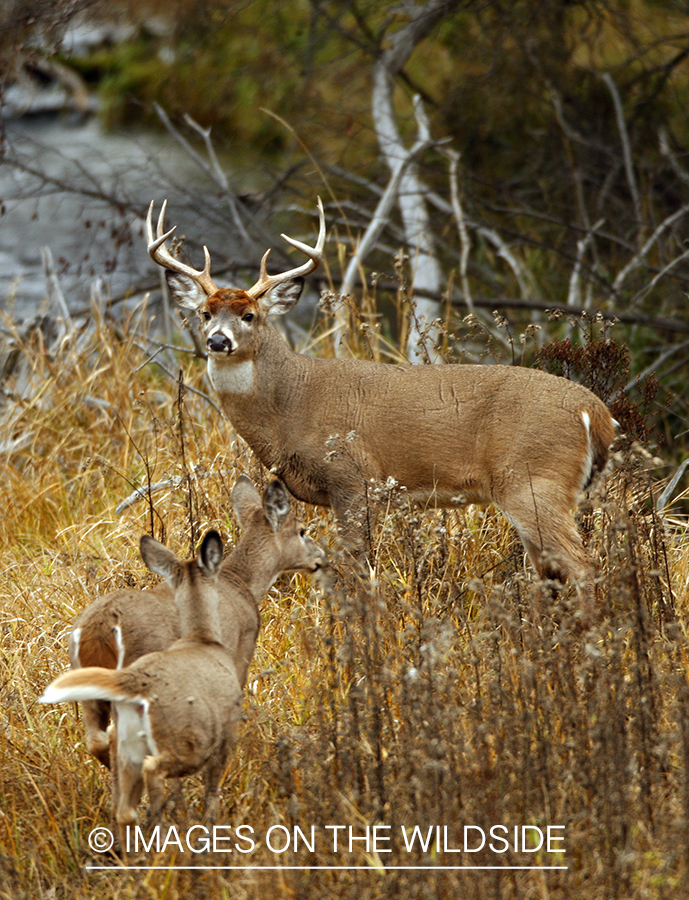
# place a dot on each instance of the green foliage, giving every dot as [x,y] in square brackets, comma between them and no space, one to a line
[519,88]
[526,92]
[526,101]
[222,66]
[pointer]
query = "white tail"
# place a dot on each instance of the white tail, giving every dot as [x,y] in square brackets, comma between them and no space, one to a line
[176,711]
[524,440]
[121,626]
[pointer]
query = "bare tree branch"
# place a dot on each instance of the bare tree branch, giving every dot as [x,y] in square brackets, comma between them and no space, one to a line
[657,323]
[626,148]
[574,295]
[382,212]
[464,242]
[427,274]
[637,260]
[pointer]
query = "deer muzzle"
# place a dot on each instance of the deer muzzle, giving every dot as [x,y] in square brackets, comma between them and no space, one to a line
[219,343]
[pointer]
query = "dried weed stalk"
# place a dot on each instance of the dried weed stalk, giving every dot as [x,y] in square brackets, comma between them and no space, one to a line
[450,690]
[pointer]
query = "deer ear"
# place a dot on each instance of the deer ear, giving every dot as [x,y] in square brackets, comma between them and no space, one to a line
[245,499]
[185,290]
[210,554]
[276,504]
[281,298]
[159,558]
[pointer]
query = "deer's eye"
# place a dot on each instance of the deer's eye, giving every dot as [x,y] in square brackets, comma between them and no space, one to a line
[248,317]
[206,315]
[302,532]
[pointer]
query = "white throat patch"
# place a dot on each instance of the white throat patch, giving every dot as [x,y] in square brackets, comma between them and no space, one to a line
[230,378]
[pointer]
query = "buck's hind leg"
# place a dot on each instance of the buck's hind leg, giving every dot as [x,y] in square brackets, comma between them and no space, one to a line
[559,557]
[549,533]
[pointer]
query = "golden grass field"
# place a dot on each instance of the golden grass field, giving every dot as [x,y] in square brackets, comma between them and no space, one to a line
[451,691]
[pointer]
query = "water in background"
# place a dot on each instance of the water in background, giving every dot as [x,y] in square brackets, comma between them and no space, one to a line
[81,229]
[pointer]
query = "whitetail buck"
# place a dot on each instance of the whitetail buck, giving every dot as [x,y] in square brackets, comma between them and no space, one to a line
[121,626]
[527,441]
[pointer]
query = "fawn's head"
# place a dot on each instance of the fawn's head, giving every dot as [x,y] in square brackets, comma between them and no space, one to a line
[272,528]
[194,583]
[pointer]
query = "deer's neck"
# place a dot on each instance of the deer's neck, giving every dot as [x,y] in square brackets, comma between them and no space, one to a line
[251,567]
[259,395]
[198,613]
[232,379]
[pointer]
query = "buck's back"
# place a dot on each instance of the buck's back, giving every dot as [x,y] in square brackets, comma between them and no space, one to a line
[424,426]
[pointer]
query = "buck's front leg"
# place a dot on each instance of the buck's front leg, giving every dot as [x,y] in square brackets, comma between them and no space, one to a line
[357,517]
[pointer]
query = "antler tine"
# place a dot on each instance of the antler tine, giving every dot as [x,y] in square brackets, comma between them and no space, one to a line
[155,242]
[263,274]
[161,255]
[315,254]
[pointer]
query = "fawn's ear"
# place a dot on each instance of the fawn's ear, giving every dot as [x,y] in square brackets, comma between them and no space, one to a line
[276,504]
[159,558]
[245,500]
[210,553]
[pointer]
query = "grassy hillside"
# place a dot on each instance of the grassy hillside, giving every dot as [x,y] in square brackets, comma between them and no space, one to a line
[452,691]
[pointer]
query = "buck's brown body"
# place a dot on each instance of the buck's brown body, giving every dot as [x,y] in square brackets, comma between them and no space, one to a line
[450,435]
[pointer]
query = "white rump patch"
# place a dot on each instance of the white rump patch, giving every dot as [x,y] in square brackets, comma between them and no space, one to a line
[134,737]
[230,378]
[588,461]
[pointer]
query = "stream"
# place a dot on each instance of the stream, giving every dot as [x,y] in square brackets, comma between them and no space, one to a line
[61,208]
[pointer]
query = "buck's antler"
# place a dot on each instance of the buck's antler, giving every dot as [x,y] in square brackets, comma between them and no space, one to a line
[162,256]
[315,254]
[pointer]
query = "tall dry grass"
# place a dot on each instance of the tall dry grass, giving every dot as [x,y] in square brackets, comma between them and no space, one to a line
[450,690]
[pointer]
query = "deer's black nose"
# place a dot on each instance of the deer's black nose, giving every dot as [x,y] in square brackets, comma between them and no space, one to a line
[219,343]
